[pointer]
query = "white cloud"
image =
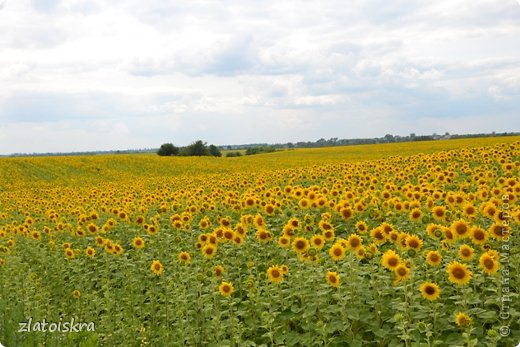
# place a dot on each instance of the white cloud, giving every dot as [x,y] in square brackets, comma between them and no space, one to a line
[258,71]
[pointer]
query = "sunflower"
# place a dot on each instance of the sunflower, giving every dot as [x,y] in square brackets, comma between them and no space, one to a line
[346,213]
[304,203]
[373,248]
[430,291]
[469,210]
[284,241]
[325,226]
[414,241]
[36,235]
[218,270]
[76,294]
[449,235]
[434,231]
[458,273]
[466,252]
[69,253]
[354,242]
[228,234]
[156,267]
[460,228]
[328,235]
[226,289]
[184,257]
[138,243]
[361,226]
[433,258]
[284,268]
[361,252]
[263,236]
[294,223]
[92,228]
[463,320]
[333,279]
[390,260]
[300,245]
[499,232]
[488,264]
[402,272]
[378,235]
[209,250]
[238,240]
[337,252]
[478,235]
[275,274]
[100,242]
[317,241]
[241,229]
[439,213]
[490,211]
[91,252]
[204,223]
[415,214]
[269,209]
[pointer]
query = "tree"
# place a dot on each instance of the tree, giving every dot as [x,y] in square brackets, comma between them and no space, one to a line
[168,149]
[214,151]
[198,148]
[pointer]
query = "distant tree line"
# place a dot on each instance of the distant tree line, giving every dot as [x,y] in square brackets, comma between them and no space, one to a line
[388,138]
[196,149]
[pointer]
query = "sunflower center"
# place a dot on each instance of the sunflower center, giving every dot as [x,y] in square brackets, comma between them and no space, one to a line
[459,273]
[354,243]
[332,279]
[461,229]
[401,272]
[429,290]
[392,262]
[275,273]
[479,235]
[337,252]
[489,263]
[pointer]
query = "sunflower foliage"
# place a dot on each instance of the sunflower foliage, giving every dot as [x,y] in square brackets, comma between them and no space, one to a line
[402,245]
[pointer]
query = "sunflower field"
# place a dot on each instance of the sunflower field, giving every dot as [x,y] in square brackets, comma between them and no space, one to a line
[381,245]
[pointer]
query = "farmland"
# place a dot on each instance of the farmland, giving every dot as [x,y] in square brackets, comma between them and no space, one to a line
[412,244]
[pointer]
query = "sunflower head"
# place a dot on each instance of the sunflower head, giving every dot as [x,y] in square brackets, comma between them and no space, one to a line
[226,289]
[466,252]
[488,264]
[337,252]
[354,241]
[430,291]
[433,258]
[218,270]
[402,272]
[156,267]
[300,245]
[390,260]
[458,273]
[275,274]
[463,320]
[333,279]
[184,257]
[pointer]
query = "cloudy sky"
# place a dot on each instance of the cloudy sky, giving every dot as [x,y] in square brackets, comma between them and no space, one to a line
[125,74]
